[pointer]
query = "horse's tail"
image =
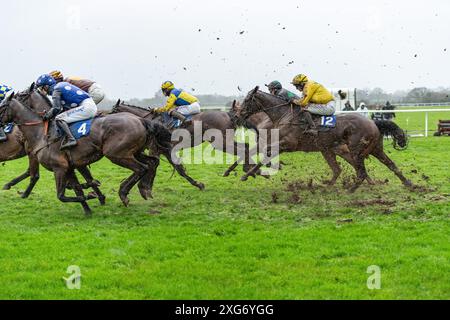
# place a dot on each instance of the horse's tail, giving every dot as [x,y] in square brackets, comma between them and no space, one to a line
[390,128]
[162,135]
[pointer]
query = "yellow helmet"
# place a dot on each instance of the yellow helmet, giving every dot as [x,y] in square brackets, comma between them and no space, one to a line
[298,79]
[168,85]
[57,75]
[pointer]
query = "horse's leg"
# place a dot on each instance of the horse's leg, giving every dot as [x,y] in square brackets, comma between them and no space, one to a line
[34,174]
[146,183]
[330,157]
[79,192]
[361,173]
[15,181]
[94,184]
[182,171]
[61,177]
[349,158]
[383,158]
[139,169]
[267,159]
[20,178]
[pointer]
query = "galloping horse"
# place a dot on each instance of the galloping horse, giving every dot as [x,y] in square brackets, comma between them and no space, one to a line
[106,139]
[16,147]
[354,138]
[225,122]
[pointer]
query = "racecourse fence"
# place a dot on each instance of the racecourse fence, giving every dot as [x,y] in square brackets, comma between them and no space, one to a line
[415,132]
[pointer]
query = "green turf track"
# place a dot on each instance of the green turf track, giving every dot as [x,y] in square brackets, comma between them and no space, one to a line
[233,241]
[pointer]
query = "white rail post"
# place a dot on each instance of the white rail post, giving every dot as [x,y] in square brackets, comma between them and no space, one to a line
[426,124]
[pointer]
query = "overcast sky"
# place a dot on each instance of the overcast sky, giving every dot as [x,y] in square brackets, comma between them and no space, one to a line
[131,46]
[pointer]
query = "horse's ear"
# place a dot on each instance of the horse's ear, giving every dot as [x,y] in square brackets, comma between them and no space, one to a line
[255,90]
[118,102]
[33,85]
[234,104]
[11,96]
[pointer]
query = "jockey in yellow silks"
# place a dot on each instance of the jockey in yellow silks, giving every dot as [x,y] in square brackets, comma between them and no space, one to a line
[316,100]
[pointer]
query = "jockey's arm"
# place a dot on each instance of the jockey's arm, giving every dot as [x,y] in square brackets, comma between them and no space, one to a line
[56,101]
[170,104]
[309,91]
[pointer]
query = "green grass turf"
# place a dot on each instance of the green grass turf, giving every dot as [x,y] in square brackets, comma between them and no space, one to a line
[236,240]
[414,122]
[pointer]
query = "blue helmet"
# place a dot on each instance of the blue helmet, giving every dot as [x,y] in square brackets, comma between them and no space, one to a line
[45,80]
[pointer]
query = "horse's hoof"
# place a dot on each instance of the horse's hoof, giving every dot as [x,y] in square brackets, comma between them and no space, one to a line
[146,194]
[244,178]
[24,195]
[88,213]
[125,200]
[102,200]
[201,186]
[226,174]
[6,187]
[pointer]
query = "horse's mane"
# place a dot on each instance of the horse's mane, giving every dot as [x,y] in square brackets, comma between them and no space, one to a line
[29,91]
[132,106]
[271,96]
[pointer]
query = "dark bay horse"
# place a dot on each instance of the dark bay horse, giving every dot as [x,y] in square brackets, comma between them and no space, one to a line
[225,122]
[16,147]
[107,139]
[354,138]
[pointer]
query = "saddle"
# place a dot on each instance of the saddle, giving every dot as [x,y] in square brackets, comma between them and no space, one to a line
[323,123]
[79,129]
[173,123]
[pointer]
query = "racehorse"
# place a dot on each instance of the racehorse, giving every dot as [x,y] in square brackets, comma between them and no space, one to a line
[16,147]
[107,139]
[225,122]
[354,138]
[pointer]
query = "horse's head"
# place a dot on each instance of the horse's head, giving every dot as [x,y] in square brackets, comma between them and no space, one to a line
[5,110]
[400,141]
[32,97]
[250,106]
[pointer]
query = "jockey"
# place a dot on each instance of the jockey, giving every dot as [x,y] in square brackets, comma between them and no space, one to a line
[179,104]
[94,90]
[316,100]
[4,92]
[70,104]
[276,89]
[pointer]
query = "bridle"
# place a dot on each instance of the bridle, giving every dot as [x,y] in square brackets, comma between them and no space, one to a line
[5,109]
[260,107]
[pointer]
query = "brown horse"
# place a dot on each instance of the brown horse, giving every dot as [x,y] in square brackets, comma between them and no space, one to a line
[107,139]
[354,138]
[225,122]
[261,121]
[16,147]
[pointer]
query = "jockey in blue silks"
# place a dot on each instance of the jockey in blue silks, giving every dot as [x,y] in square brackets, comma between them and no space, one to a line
[70,104]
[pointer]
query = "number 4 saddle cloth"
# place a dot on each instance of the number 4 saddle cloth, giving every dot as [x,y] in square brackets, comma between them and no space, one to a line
[79,129]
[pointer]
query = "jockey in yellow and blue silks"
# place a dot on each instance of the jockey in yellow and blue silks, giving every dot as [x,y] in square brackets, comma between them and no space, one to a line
[4,91]
[70,104]
[180,104]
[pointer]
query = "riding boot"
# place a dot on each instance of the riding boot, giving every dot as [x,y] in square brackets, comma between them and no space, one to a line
[71,141]
[312,126]
[3,137]
[181,117]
